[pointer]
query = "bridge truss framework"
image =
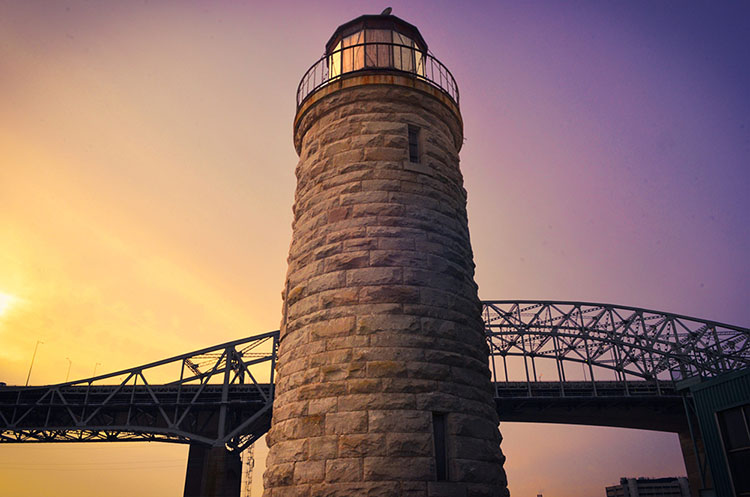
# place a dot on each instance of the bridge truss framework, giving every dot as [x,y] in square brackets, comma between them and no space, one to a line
[223,395]
[219,399]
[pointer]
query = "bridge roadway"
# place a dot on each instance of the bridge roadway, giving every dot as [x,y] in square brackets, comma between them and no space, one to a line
[107,413]
[188,413]
[637,404]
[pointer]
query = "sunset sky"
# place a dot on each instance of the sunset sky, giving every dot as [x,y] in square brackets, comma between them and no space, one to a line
[147,179]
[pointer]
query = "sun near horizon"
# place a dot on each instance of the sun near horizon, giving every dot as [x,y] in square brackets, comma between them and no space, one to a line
[7,301]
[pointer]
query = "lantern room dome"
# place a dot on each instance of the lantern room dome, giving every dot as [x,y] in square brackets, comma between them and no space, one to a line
[377,29]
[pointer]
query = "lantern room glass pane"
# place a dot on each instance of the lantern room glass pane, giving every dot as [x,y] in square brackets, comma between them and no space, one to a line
[334,63]
[419,62]
[403,52]
[379,54]
[353,58]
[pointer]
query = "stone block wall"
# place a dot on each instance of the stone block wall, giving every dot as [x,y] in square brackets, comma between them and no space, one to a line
[381,330]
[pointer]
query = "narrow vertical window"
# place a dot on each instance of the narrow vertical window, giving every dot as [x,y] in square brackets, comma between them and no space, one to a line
[413,143]
[441,452]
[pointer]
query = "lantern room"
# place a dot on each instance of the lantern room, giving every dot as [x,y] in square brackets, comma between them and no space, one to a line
[376,42]
[376,49]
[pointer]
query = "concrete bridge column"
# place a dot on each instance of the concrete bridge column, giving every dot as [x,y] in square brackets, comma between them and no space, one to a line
[212,472]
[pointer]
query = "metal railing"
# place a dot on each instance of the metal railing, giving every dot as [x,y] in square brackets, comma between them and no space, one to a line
[376,56]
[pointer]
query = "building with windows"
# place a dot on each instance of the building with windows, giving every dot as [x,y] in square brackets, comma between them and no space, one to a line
[720,413]
[650,487]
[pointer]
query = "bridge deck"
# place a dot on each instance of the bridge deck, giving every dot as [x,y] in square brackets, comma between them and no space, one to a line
[185,413]
[173,413]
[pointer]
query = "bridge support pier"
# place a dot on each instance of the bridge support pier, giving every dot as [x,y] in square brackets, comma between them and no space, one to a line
[698,478]
[212,472]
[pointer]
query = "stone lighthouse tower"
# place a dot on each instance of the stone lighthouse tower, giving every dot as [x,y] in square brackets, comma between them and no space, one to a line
[383,383]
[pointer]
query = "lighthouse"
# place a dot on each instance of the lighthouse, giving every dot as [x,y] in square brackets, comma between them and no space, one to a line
[383,383]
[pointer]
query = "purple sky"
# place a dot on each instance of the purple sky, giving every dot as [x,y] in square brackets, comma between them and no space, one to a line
[147,181]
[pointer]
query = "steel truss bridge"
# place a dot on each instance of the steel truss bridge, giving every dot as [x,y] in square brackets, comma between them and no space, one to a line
[559,362]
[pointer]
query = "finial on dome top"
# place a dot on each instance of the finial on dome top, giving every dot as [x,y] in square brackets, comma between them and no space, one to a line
[386,12]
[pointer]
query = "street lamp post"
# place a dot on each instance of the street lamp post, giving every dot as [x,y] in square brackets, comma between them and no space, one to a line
[32,361]
[70,363]
[95,366]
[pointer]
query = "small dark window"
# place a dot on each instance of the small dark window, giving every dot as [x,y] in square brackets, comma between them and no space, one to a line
[441,452]
[413,143]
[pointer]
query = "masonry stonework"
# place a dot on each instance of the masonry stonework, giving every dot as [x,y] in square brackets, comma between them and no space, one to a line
[382,329]
[383,385]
